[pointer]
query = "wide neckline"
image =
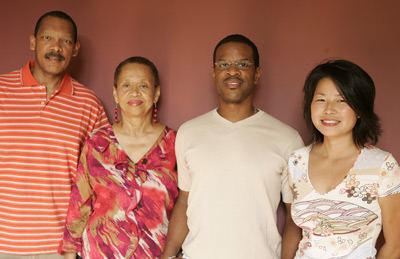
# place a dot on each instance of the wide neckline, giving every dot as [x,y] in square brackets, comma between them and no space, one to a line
[340,183]
[146,154]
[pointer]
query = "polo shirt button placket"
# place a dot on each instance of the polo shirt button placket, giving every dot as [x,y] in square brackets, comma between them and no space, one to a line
[43,103]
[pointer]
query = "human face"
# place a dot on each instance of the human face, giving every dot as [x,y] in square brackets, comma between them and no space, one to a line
[235,86]
[330,113]
[54,47]
[135,91]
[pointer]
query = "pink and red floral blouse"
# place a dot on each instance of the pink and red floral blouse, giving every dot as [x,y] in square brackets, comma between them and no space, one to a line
[118,208]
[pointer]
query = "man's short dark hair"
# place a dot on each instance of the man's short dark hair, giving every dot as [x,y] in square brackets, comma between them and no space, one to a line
[239,39]
[61,15]
[358,90]
[137,60]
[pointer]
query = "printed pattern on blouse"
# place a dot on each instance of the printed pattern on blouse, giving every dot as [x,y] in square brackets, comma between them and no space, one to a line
[346,220]
[120,209]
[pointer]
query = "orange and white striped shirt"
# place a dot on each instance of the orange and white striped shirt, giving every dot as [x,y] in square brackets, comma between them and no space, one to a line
[40,142]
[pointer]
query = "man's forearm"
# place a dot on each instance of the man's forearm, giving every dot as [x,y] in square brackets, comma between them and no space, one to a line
[178,229]
[291,236]
[70,255]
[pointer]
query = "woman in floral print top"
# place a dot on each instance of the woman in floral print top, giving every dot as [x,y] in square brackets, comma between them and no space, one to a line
[344,189]
[126,183]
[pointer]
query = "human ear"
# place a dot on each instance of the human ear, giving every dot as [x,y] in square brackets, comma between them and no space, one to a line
[32,42]
[115,94]
[157,94]
[75,51]
[257,75]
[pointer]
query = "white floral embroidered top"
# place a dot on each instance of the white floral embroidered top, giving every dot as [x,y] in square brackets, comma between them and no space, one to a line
[346,221]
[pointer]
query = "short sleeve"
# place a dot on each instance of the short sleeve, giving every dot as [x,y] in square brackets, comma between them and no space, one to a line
[287,194]
[288,198]
[389,180]
[291,164]
[184,178]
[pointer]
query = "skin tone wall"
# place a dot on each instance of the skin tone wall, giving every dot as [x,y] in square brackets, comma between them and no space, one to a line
[179,37]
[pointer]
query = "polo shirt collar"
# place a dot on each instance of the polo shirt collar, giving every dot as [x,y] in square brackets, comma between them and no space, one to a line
[66,86]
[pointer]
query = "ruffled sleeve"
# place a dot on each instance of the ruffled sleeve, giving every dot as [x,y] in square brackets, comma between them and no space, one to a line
[79,209]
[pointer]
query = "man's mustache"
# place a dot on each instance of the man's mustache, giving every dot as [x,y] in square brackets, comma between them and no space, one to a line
[54,54]
[233,77]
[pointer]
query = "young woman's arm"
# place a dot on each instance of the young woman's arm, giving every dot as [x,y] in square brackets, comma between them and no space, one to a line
[390,206]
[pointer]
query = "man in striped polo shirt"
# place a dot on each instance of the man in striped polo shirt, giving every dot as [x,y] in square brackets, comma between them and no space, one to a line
[45,117]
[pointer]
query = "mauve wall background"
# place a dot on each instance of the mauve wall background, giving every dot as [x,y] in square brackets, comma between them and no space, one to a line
[179,37]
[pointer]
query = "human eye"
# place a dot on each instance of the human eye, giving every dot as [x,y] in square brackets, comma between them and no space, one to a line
[242,64]
[223,65]
[67,41]
[126,85]
[341,99]
[319,99]
[143,86]
[45,37]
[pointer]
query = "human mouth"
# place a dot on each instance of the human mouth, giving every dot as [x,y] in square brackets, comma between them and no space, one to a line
[54,56]
[233,82]
[135,103]
[329,122]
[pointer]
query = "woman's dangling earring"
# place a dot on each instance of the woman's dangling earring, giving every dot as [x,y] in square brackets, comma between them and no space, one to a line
[116,113]
[155,113]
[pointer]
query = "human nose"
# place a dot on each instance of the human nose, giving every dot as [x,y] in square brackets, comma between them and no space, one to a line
[233,70]
[330,107]
[135,91]
[56,46]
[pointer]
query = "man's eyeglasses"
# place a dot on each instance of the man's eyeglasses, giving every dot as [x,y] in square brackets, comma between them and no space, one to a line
[225,65]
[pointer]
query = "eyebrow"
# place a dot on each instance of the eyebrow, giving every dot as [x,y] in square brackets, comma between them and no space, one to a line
[52,32]
[316,93]
[242,59]
[125,80]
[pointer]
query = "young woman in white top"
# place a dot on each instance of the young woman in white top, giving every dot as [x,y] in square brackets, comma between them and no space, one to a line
[345,189]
